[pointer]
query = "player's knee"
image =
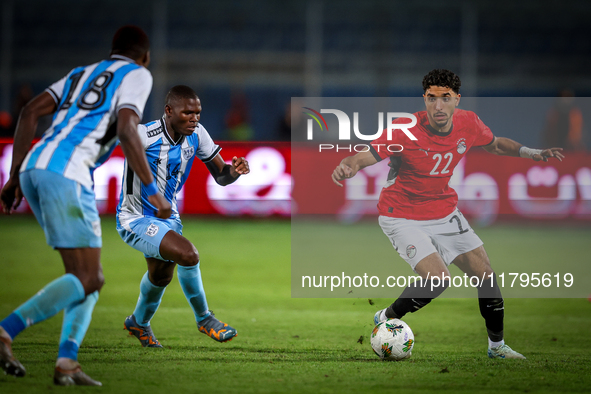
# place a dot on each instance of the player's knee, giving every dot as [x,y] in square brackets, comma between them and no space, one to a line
[189,257]
[92,283]
[162,281]
[99,281]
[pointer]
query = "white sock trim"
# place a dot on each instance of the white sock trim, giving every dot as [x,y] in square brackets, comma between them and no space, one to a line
[492,344]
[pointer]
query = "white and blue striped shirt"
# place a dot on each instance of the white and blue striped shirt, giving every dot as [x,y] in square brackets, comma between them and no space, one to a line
[170,163]
[83,132]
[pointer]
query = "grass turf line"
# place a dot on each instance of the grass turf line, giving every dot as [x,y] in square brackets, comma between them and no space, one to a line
[284,344]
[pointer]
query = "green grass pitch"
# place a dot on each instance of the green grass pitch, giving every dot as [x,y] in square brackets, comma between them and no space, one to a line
[285,344]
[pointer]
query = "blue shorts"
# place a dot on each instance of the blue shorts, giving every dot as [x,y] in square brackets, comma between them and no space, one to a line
[65,209]
[147,233]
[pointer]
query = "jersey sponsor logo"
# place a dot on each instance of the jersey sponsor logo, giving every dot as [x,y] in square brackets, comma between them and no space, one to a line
[152,230]
[411,251]
[461,146]
[425,150]
[155,132]
[188,152]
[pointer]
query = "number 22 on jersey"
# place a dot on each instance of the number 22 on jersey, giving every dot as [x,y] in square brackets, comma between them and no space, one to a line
[446,159]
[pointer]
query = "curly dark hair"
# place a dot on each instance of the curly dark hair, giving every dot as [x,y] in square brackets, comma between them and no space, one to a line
[444,78]
[180,92]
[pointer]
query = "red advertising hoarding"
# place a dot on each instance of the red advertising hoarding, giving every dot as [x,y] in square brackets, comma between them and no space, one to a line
[265,191]
[490,187]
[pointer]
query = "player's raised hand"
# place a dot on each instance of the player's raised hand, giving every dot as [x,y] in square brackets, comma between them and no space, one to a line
[163,206]
[11,196]
[548,153]
[350,165]
[240,165]
[342,171]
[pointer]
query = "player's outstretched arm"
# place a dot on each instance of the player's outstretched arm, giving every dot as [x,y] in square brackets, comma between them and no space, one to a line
[507,147]
[225,174]
[131,144]
[43,104]
[350,165]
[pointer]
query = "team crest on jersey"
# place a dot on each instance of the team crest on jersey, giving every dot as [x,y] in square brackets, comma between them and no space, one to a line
[188,152]
[152,230]
[411,251]
[461,146]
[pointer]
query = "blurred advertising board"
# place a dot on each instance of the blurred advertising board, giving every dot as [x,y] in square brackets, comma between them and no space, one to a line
[265,191]
[490,187]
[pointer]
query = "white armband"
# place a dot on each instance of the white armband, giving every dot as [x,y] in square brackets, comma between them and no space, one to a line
[529,153]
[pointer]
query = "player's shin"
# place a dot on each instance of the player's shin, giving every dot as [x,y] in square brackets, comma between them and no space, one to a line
[54,297]
[148,301]
[416,296]
[492,309]
[77,318]
[192,285]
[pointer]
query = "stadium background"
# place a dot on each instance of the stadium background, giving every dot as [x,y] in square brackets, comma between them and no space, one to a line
[270,51]
[262,53]
[246,59]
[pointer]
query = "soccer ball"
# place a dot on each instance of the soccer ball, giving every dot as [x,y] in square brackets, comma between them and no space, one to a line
[392,340]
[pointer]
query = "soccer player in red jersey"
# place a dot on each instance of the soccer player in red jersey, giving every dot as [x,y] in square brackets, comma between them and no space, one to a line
[418,209]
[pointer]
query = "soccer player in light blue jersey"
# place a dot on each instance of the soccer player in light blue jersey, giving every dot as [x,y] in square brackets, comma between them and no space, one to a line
[92,107]
[171,145]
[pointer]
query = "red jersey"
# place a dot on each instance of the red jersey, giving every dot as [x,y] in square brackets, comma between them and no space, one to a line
[418,183]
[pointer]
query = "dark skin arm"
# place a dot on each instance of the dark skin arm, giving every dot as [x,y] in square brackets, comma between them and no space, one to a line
[132,147]
[42,105]
[507,147]
[225,174]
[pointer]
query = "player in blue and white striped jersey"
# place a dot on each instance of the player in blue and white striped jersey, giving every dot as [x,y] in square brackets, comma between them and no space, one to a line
[92,106]
[171,145]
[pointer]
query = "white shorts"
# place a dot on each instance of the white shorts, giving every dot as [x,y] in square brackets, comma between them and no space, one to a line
[416,239]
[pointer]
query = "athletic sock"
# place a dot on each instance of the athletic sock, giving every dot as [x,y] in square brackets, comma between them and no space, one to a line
[76,321]
[148,302]
[415,296]
[54,297]
[492,308]
[492,344]
[190,280]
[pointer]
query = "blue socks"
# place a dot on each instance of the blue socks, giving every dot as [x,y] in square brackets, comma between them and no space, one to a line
[64,292]
[151,295]
[148,302]
[190,280]
[57,295]
[13,325]
[76,321]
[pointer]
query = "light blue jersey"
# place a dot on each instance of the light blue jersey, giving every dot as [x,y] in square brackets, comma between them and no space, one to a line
[83,131]
[170,163]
